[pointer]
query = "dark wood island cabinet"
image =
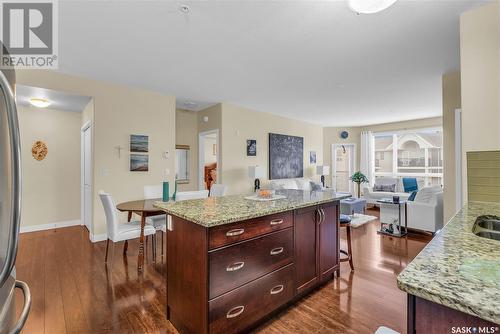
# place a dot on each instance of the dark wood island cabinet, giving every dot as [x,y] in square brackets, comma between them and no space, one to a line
[229,276]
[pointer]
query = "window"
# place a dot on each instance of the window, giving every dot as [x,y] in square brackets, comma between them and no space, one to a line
[182,163]
[419,153]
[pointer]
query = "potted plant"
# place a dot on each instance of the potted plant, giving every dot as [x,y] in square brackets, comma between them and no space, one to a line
[359,178]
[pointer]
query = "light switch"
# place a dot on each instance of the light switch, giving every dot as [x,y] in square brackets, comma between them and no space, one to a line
[166,154]
[104,172]
[167,172]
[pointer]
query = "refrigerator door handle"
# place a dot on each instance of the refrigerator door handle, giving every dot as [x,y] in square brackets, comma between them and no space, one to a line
[26,309]
[15,151]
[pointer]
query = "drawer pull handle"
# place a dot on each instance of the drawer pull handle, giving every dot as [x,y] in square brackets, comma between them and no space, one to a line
[235,311]
[276,222]
[277,289]
[235,266]
[277,250]
[235,232]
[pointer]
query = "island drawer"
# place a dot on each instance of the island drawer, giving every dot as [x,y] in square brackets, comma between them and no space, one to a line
[234,311]
[235,265]
[227,234]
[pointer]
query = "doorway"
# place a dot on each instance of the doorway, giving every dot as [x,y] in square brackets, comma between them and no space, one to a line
[209,159]
[343,164]
[86,140]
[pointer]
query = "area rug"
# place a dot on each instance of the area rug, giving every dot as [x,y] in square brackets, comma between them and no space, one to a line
[359,219]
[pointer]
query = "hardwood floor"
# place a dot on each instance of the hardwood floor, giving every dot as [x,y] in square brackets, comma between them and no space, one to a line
[75,292]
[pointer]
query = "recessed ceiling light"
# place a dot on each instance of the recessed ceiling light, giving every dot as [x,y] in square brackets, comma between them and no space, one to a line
[40,103]
[370,6]
[184,8]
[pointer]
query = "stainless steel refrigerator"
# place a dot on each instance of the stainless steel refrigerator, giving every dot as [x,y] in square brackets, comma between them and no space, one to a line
[10,208]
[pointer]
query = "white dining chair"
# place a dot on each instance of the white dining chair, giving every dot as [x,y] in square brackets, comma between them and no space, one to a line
[186,195]
[158,221]
[218,190]
[120,231]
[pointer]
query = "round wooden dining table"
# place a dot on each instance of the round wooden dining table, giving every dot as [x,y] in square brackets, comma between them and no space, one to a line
[144,208]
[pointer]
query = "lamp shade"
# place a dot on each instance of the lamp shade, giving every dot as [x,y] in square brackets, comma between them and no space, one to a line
[323,170]
[256,172]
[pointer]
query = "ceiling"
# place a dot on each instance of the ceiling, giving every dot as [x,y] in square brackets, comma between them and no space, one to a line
[59,100]
[311,60]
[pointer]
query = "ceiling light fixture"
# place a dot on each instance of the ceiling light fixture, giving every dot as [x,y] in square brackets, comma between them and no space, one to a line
[370,6]
[40,103]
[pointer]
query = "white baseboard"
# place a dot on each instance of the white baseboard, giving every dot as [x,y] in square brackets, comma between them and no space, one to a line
[51,226]
[98,237]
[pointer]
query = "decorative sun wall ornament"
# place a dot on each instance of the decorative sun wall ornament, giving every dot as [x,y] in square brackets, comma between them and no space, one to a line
[39,150]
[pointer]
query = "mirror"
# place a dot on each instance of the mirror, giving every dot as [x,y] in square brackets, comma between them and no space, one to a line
[182,164]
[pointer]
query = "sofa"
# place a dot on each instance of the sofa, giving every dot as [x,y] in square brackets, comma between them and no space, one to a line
[298,184]
[372,196]
[425,212]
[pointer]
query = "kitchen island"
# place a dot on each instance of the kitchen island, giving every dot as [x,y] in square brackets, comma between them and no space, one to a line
[454,283]
[231,261]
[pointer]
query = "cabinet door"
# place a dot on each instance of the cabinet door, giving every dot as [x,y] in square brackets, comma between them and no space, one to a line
[306,236]
[328,240]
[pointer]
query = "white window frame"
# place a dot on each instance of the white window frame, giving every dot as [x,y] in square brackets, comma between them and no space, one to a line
[394,173]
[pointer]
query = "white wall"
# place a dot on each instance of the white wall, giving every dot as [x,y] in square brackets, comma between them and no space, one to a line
[480,79]
[51,187]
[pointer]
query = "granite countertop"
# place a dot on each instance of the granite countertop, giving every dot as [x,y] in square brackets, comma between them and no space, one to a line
[215,211]
[458,269]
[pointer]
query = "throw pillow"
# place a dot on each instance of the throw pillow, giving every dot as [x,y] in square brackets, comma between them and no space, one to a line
[316,186]
[385,187]
[412,196]
[410,184]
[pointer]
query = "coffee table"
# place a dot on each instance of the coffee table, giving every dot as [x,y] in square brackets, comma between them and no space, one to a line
[352,205]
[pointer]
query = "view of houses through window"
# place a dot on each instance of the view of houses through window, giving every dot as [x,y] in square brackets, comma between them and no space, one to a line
[417,153]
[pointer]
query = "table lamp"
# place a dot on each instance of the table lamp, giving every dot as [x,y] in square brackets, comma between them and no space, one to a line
[256,172]
[323,170]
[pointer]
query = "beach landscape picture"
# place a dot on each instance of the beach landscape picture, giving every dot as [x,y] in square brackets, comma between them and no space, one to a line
[139,143]
[139,163]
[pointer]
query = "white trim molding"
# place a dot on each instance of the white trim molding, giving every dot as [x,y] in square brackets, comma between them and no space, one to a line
[98,237]
[50,226]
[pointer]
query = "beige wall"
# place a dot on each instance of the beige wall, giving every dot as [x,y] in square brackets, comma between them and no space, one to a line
[118,112]
[451,102]
[331,135]
[51,187]
[240,124]
[186,133]
[480,78]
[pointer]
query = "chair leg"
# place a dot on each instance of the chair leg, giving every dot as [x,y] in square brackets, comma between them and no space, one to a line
[349,247]
[161,243]
[153,246]
[107,247]
[125,247]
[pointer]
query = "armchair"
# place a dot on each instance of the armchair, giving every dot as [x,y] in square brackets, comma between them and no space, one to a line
[426,211]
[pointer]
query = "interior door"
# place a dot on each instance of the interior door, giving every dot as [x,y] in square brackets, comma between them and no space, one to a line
[343,163]
[328,241]
[87,177]
[306,264]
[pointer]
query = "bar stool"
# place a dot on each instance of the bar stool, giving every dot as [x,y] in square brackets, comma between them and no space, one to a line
[345,221]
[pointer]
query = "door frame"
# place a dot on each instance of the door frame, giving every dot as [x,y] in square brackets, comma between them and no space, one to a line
[85,127]
[201,157]
[352,163]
